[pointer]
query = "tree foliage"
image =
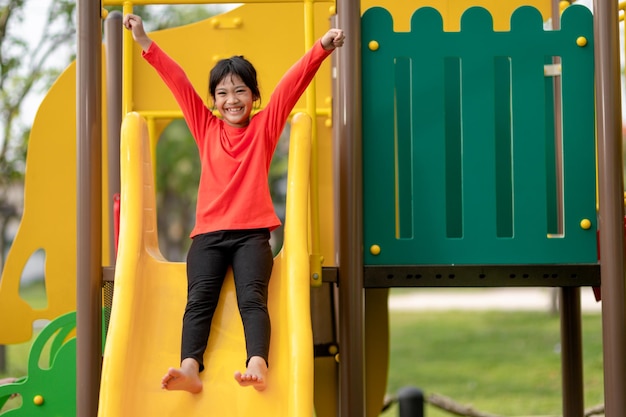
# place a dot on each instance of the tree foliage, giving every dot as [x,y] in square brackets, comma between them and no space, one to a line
[25,70]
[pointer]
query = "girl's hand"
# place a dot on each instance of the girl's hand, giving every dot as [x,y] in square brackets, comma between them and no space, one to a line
[134,23]
[334,38]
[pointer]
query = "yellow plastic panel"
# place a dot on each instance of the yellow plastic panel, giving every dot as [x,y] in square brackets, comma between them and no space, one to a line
[451,10]
[49,219]
[270,35]
[149,300]
[326,178]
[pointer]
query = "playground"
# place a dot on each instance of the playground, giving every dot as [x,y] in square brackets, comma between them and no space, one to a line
[458,144]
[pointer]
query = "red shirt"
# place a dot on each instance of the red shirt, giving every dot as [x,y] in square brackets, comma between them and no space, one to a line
[234,192]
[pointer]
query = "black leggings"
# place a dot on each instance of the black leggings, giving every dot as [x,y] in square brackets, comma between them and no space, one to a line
[210,255]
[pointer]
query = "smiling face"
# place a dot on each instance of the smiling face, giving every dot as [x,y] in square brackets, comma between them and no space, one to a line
[234,100]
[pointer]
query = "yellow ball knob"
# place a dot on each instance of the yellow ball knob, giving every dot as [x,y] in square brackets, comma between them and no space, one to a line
[375,250]
[333,350]
[581,41]
[332,10]
[585,224]
[38,399]
[373,45]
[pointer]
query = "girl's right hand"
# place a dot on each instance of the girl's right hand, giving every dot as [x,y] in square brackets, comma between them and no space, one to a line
[134,23]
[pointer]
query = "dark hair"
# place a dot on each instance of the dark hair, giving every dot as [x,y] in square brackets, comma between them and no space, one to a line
[235,65]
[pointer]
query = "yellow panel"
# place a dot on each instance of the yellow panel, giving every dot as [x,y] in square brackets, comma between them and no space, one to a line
[326,193]
[49,218]
[281,44]
[451,10]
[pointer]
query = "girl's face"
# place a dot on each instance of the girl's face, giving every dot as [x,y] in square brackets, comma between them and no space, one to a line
[234,100]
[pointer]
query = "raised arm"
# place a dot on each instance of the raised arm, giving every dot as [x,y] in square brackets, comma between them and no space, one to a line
[191,104]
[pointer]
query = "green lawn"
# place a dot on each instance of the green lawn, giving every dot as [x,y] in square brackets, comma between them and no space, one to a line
[505,363]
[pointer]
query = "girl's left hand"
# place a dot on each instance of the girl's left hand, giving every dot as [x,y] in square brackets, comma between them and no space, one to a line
[334,38]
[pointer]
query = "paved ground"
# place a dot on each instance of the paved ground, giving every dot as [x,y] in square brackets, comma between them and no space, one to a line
[485,299]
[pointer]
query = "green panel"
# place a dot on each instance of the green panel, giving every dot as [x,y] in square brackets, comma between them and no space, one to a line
[429,153]
[54,379]
[529,168]
[459,156]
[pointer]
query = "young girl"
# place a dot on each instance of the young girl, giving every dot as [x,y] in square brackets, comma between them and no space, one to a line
[234,213]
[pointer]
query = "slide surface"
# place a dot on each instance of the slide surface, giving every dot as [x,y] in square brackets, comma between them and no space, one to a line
[149,299]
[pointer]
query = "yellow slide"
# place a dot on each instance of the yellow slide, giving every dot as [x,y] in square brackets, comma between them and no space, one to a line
[149,299]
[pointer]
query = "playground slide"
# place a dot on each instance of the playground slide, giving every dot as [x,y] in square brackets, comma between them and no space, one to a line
[149,298]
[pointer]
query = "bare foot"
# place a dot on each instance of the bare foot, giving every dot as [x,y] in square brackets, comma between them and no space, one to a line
[185,378]
[255,375]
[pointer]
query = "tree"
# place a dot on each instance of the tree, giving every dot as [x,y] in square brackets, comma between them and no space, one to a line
[25,71]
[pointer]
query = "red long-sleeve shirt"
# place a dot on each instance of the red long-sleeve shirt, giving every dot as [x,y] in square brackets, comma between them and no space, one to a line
[234,192]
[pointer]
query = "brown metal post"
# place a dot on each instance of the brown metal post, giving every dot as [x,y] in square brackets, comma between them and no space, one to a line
[89,207]
[349,172]
[572,353]
[611,194]
[113,53]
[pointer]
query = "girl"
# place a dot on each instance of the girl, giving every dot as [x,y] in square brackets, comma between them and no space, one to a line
[234,213]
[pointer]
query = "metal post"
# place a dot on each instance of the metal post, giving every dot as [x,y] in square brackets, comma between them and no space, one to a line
[113,41]
[411,402]
[3,358]
[349,170]
[89,207]
[571,353]
[611,192]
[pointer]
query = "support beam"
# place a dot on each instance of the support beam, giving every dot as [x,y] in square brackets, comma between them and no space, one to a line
[349,172]
[89,207]
[611,195]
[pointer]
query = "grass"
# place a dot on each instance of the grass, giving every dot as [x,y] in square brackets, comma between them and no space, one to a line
[504,363]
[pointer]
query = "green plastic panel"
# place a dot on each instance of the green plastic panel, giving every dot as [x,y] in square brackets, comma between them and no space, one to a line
[461,163]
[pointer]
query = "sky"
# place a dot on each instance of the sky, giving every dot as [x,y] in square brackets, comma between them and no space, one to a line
[35,17]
